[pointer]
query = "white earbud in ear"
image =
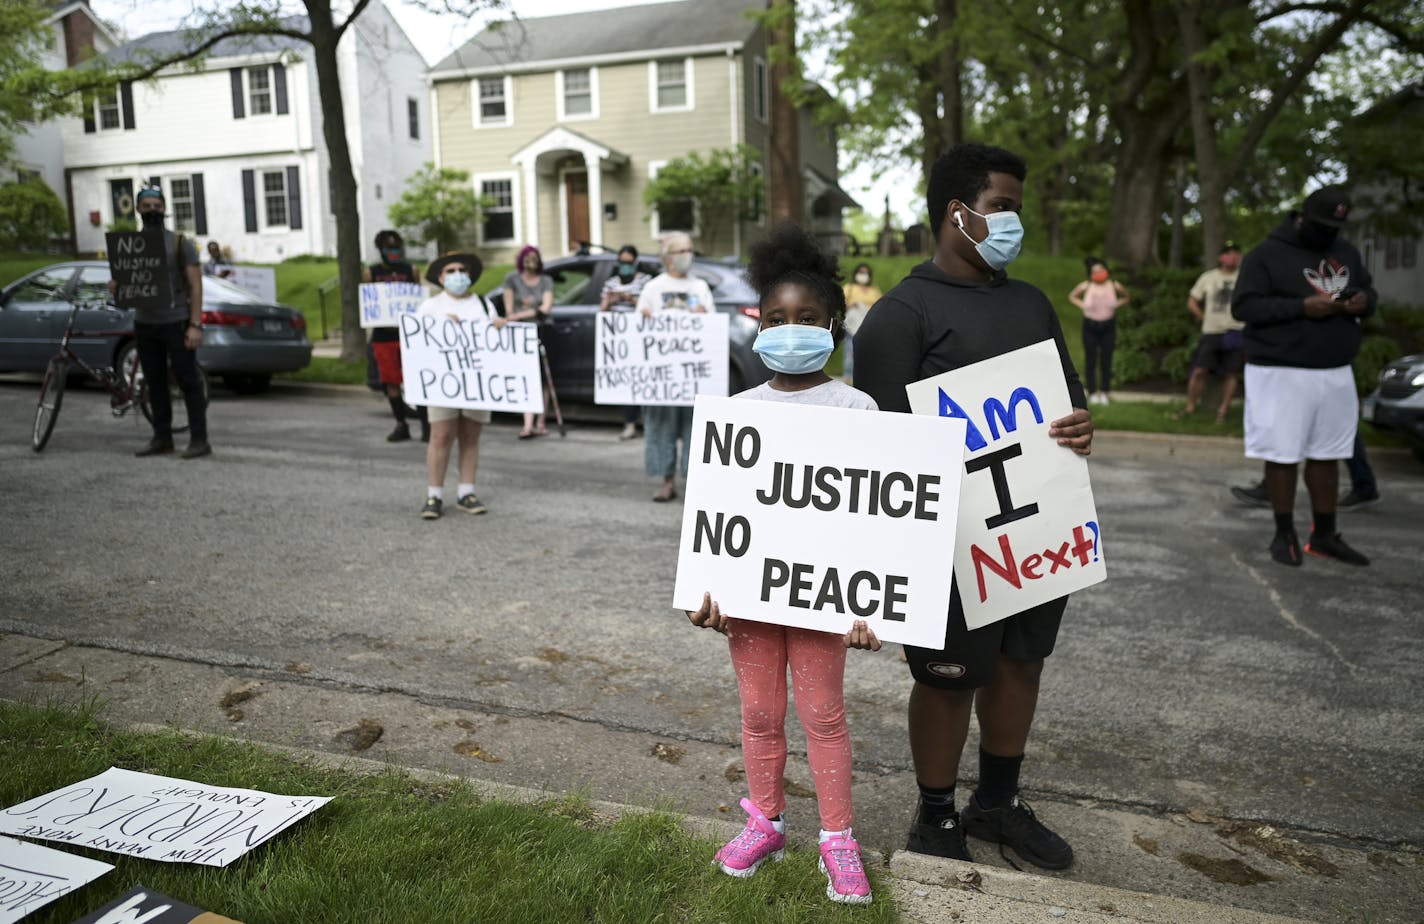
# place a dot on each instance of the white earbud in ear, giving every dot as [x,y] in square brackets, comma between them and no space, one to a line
[959,220]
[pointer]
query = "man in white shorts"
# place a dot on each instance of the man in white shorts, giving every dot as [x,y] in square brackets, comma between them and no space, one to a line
[1302,294]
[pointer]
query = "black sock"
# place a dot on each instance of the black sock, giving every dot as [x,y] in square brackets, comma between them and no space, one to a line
[1285,522]
[397,407]
[935,804]
[998,779]
[1324,524]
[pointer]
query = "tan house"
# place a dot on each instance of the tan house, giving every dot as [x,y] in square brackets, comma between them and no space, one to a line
[561,122]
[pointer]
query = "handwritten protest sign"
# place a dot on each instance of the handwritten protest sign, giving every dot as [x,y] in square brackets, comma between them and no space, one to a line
[158,817]
[667,359]
[31,876]
[815,517]
[470,364]
[138,263]
[383,303]
[145,906]
[1028,527]
[259,280]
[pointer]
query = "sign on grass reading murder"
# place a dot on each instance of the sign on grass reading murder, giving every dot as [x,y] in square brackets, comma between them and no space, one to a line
[383,303]
[31,876]
[668,358]
[1028,527]
[145,906]
[138,264]
[815,517]
[470,364]
[158,817]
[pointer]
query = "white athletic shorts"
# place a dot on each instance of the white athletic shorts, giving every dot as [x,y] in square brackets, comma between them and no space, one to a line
[437,414]
[1297,414]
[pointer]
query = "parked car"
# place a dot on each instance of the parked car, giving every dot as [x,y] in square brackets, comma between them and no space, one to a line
[1398,403]
[245,339]
[578,286]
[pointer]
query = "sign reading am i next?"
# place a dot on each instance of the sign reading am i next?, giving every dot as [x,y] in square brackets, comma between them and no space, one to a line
[815,517]
[1028,526]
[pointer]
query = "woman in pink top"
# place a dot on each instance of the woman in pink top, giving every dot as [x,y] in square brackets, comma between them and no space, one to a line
[1099,297]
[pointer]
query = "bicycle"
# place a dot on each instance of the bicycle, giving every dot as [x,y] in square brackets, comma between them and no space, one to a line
[126,386]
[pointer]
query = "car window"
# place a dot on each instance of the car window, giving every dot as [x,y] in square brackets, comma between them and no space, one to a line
[45,286]
[92,285]
[571,284]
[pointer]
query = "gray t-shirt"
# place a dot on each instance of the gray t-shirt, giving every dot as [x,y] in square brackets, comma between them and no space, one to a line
[177,281]
[834,393]
[525,296]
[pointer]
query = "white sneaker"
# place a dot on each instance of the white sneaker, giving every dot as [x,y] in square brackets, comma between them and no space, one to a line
[1103,398]
[630,431]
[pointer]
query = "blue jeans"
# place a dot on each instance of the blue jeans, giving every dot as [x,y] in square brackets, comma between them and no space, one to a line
[662,428]
[1362,477]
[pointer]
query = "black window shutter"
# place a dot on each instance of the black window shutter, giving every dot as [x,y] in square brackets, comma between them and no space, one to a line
[157,183]
[238,112]
[200,206]
[89,127]
[279,87]
[126,100]
[249,199]
[294,200]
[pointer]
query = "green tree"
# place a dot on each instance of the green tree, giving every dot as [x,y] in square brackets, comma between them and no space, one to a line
[22,36]
[437,206]
[30,215]
[725,184]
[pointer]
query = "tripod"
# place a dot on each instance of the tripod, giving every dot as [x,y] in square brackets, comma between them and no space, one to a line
[549,385]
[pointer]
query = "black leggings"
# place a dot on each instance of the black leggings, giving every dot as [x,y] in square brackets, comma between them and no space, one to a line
[1099,337]
[159,346]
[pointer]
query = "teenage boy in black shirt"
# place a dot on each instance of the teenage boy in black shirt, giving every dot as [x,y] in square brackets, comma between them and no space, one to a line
[952,311]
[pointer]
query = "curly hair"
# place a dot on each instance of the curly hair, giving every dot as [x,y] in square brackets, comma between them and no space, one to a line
[791,254]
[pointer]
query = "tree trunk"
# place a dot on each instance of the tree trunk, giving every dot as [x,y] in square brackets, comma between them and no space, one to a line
[940,102]
[785,179]
[1135,212]
[1179,208]
[1211,189]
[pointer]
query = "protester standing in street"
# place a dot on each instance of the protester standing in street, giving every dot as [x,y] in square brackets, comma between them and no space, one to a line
[529,296]
[1220,348]
[1099,296]
[385,341]
[620,293]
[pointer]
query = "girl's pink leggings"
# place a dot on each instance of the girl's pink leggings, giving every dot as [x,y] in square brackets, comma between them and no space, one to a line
[761,653]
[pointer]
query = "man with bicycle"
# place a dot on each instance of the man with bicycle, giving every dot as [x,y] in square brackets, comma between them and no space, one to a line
[169,338]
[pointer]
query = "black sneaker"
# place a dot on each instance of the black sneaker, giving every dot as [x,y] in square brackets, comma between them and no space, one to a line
[155,448]
[197,449]
[400,434]
[432,509]
[1254,496]
[470,504]
[1333,546]
[1285,548]
[1016,826]
[945,839]
[1353,501]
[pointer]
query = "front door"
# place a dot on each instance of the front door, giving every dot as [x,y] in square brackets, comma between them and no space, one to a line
[576,197]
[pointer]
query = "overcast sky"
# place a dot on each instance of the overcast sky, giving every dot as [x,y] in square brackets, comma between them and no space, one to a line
[438,35]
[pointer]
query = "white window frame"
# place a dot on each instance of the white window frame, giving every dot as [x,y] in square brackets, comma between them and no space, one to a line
[655,220]
[262,222]
[563,114]
[761,90]
[687,71]
[508,101]
[99,102]
[252,112]
[479,179]
[174,199]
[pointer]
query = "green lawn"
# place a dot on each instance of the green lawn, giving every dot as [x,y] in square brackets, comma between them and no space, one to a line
[391,849]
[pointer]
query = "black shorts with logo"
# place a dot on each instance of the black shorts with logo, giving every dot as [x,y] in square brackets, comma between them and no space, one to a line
[1221,354]
[970,659]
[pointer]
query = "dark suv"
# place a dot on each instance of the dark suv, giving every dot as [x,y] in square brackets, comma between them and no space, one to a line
[578,286]
[1398,403]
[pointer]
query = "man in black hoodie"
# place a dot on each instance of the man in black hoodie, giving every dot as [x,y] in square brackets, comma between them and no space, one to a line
[954,310]
[1302,294]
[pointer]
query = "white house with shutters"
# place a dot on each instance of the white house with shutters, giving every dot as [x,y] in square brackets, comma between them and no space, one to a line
[237,145]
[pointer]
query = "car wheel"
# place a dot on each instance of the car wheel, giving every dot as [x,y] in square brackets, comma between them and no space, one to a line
[247,383]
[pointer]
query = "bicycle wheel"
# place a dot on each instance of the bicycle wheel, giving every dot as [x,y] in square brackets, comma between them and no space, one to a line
[51,396]
[175,398]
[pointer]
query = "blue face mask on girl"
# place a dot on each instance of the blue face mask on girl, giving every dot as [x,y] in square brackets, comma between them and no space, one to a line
[794,348]
[456,283]
[1004,241]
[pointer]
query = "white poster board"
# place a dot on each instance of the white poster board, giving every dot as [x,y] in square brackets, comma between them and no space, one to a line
[813,517]
[32,876]
[1028,527]
[470,364]
[668,358]
[158,817]
[383,303]
[259,280]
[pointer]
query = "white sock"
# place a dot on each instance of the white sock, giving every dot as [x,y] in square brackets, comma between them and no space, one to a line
[436,492]
[827,835]
[779,823]
[464,489]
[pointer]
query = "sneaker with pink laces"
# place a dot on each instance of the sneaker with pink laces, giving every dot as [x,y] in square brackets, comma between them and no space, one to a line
[845,874]
[758,841]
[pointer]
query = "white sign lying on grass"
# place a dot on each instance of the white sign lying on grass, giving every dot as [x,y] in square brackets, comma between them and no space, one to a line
[383,303]
[470,364]
[667,359]
[31,876]
[145,906]
[158,817]
[259,280]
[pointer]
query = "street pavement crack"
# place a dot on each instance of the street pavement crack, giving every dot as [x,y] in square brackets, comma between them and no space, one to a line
[1290,618]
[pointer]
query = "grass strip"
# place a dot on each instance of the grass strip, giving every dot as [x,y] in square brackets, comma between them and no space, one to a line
[390,848]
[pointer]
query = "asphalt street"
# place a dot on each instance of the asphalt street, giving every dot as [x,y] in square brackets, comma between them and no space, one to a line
[1201,688]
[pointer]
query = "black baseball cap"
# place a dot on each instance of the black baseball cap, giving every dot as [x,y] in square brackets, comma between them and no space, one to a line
[1227,246]
[1328,205]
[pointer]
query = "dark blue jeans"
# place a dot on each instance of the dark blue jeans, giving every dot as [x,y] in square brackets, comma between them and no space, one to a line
[1362,477]
[1099,337]
[160,346]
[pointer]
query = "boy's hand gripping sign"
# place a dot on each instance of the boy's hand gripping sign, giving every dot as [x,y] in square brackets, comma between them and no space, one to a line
[815,517]
[1028,527]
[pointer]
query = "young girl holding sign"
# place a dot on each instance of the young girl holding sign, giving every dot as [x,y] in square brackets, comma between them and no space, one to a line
[802,308]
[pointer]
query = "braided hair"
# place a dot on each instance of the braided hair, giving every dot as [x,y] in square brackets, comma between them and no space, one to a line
[791,254]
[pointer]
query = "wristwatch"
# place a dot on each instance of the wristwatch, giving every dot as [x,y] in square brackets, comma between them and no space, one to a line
[198,326]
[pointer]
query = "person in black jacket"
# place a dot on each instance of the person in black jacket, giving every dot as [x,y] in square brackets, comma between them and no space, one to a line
[1302,294]
[954,310]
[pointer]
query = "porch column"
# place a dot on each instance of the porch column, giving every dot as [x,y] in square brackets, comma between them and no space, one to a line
[594,165]
[530,193]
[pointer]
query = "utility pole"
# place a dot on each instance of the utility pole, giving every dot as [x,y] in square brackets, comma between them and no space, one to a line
[785,174]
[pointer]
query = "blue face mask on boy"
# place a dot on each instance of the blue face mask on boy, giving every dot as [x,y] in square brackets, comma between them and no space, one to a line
[794,348]
[1004,240]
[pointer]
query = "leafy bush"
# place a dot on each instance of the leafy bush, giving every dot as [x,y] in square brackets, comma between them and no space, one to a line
[30,215]
[1155,333]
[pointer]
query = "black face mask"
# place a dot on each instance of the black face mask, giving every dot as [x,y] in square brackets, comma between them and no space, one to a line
[152,221]
[1317,236]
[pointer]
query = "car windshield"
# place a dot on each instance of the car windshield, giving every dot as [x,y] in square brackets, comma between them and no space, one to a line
[222,292]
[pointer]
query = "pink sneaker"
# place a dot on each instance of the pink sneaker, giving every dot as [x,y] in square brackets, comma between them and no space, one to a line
[759,840]
[845,874]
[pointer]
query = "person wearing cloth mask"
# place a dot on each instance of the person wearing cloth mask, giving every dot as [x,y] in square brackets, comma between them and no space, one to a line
[674,290]
[168,338]
[455,273]
[385,341]
[861,294]
[1220,346]
[1302,294]
[1099,298]
[529,296]
[620,293]
[952,311]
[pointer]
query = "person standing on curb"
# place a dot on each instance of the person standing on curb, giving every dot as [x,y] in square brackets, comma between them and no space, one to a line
[529,296]
[385,341]
[1099,297]
[1220,347]
[620,293]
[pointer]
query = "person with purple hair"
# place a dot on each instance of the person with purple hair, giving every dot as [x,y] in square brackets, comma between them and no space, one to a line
[529,296]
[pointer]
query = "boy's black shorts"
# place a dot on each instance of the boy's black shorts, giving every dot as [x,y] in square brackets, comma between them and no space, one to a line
[970,659]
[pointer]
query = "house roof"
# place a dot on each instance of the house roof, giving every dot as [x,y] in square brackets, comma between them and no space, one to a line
[626,31]
[163,44]
[59,9]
